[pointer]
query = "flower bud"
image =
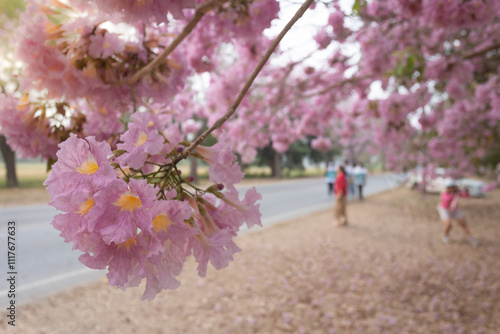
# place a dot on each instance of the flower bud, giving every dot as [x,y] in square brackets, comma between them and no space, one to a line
[188,179]
[202,210]
[218,194]
[117,153]
[214,188]
[189,221]
[196,155]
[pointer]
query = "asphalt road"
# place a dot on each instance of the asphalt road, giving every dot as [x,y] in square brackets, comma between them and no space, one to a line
[44,263]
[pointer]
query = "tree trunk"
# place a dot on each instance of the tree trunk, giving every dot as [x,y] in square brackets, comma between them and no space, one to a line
[193,168]
[383,161]
[276,165]
[10,162]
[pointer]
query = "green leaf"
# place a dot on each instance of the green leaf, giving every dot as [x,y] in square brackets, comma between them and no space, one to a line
[50,162]
[410,63]
[155,180]
[356,7]
[11,8]
[399,70]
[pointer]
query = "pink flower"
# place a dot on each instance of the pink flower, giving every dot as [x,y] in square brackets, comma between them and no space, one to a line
[128,206]
[82,216]
[102,121]
[28,136]
[105,45]
[161,269]
[191,127]
[321,144]
[80,162]
[323,38]
[247,207]
[336,20]
[225,173]
[218,250]
[219,153]
[455,88]
[168,221]
[141,138]
[224,215]
[224,168]
[124,261]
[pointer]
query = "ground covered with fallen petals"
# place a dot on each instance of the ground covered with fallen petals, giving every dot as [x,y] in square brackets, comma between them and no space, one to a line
[388,272]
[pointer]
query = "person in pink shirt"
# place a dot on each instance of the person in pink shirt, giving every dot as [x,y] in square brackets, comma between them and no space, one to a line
[448,210]
[341,197]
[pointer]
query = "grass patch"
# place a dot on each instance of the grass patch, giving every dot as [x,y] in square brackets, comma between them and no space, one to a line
[25,182]
[29,174]
[33,174]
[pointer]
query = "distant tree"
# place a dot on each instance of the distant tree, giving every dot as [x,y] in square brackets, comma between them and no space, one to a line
[9,10]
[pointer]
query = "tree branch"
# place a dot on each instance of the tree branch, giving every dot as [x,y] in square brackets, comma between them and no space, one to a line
[198,15]
[232,109]
[482,52]
[336,85]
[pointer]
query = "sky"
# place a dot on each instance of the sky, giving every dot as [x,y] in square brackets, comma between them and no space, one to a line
[300,38]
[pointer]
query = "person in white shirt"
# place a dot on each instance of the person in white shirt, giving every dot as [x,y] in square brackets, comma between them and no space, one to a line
[330,175]
[359,173]
[349,169]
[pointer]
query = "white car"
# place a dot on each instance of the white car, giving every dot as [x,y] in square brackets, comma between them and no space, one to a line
[438,183]
[432,185]
[475,188]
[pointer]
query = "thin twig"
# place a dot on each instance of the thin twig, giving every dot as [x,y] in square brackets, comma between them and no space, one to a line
[335,85]
[198,15]
[232,109]
[482,52]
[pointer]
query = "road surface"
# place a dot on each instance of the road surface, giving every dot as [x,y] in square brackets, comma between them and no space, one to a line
[45,264]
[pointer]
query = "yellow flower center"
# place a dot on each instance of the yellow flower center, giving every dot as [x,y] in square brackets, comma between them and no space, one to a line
[128,202]
[150,124]
[161,222]
[141,3]
[142,139]
[86,206]
[89,167]
[129,243]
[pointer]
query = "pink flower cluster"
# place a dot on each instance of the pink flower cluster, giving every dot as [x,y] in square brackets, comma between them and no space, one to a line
[27,134]
[143,225]
[81,59]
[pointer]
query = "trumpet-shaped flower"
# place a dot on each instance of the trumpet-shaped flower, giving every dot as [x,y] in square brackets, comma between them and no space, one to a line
[218,250]
[141,138]
[124,261]
[80,162]
[128,206]
[247,207]
[162,268]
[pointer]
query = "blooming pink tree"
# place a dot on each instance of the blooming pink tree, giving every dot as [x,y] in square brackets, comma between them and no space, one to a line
[422,85]
[105,101]
[436,64]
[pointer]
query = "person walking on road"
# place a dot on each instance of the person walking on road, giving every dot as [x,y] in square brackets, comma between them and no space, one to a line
[360,179]
[349,170]
[330,175]
[341,197]
[448,210]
